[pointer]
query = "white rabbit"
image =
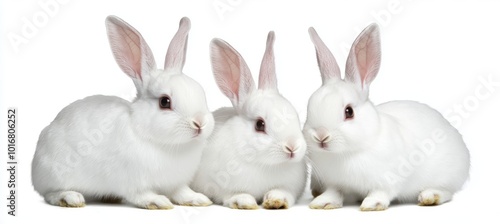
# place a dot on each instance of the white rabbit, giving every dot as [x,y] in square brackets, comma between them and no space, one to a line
[256,153]
[142,151]
[399,150]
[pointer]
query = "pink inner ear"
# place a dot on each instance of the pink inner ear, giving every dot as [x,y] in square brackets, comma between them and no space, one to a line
[133,53]
[230,71]
[364,59]
[230,67]
[126,44]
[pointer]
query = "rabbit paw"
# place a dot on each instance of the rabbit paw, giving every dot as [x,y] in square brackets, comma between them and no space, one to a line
[329,199]
[433,197]
[154,202]
[242,201]
[161,202]
[323,202]
[71,199]
[187,197]
[275,200]
[197,199]
[374,204]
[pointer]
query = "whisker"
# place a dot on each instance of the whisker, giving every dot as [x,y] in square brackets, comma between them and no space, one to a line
[315,171]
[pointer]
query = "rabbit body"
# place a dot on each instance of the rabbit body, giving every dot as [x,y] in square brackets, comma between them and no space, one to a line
[229,166]
[256,153]
[146,151]
[399,150]
[112,159]
[424,152]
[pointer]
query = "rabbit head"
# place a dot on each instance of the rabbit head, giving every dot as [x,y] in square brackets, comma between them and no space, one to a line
[340,115]
[170,107]
[266,122]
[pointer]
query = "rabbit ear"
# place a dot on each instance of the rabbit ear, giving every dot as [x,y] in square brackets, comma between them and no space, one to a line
[176,53]
[267,76]
[363,62]
[131,52]
[327,64]
[231,72]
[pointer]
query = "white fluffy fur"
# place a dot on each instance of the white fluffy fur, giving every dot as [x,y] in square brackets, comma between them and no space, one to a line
[106,147]
[400,150]
[242,167]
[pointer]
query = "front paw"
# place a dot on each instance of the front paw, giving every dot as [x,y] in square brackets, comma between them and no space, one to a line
[72,199]
[374,204]
[322,202]
[242,201]
[275,200]
[157,202]
[197,199]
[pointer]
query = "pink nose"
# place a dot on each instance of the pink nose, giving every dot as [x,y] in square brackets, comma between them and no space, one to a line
[290,149]
[291,146]
[198,123]
[322,136]
[197,126]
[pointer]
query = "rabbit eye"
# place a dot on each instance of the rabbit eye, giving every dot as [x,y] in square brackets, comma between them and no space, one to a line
[349,112]
[165,102]
[260,125]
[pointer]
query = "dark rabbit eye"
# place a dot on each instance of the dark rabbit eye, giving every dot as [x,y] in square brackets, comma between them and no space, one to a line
[260,125]
[165,102]
[349,112]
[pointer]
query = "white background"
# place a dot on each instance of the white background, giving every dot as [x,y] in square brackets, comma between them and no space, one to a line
[435,53]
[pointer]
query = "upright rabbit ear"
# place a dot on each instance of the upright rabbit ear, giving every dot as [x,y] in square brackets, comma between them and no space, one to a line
[131,52]
[363,62]
[231,72]
[267,76]
[176,53]
[328,66]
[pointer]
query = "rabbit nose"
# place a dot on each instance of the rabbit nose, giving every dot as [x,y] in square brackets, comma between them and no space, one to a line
[197,125]
[290,149]
[198,121]
[322,136]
